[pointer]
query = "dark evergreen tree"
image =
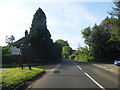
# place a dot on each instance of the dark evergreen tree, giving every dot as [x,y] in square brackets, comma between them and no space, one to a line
[116,10]
[86,35]
[104,40]
[39,38]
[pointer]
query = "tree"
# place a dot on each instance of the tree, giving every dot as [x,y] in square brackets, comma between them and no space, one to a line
[27,55]
[66,51]
[86,34]
[115,39]
[62,42]
[99,38]
[10,39]
[83,53]
[57,51]
[40,38]
[116,10]
[104,39]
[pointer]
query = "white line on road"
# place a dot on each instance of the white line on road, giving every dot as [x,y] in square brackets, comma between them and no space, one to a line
[95,81]
[79,67]
[56,67]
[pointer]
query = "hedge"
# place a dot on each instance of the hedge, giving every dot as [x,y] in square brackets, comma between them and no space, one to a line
[81,57]
[72,57]
[10,59]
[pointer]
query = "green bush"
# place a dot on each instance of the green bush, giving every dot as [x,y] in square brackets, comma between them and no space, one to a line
[82,57]
[77,57]
[72,57]
[10,59]
[91,59]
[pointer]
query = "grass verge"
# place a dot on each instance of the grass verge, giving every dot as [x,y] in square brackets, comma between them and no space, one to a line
[16,77]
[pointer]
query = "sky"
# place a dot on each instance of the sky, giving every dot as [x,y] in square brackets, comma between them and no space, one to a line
[65,19]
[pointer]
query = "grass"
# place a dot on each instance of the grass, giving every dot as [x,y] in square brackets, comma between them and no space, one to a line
[12,76]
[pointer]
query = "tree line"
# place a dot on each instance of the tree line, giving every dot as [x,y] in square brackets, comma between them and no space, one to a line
[103,40]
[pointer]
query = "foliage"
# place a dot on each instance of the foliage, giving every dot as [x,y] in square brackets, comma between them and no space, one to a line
[62,42]
[14,76]
[116,10]
[6,49]
[9,39]
[39,39]
[57,53]
[39,36]
[86,33]
[83,53]
[72,57]
[103,41]
[66,51]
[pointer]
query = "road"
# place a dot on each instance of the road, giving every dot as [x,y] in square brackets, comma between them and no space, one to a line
[76,74]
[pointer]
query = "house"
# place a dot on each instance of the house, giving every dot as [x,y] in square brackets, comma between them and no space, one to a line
[15,49]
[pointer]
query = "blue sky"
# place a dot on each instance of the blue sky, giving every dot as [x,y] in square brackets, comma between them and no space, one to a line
[65,20]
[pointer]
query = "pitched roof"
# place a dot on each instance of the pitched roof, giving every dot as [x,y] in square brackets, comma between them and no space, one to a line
[19,42]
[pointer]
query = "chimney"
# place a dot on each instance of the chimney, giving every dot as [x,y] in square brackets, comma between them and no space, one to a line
[26,33]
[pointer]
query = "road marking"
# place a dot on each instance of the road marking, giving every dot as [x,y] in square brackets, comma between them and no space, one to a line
[79,67]
[56,67]
[95,81]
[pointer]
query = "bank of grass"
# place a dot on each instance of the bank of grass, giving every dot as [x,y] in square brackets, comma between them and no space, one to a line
[16,76]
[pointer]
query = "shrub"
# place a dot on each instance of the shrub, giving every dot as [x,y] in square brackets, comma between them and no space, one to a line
[72,57]
[91,58]
[77,57]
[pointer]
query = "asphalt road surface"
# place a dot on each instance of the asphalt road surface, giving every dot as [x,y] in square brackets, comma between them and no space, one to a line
[76,74]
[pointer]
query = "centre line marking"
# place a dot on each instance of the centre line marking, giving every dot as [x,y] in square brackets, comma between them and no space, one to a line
[56,67]
[95,81]
[79,67]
